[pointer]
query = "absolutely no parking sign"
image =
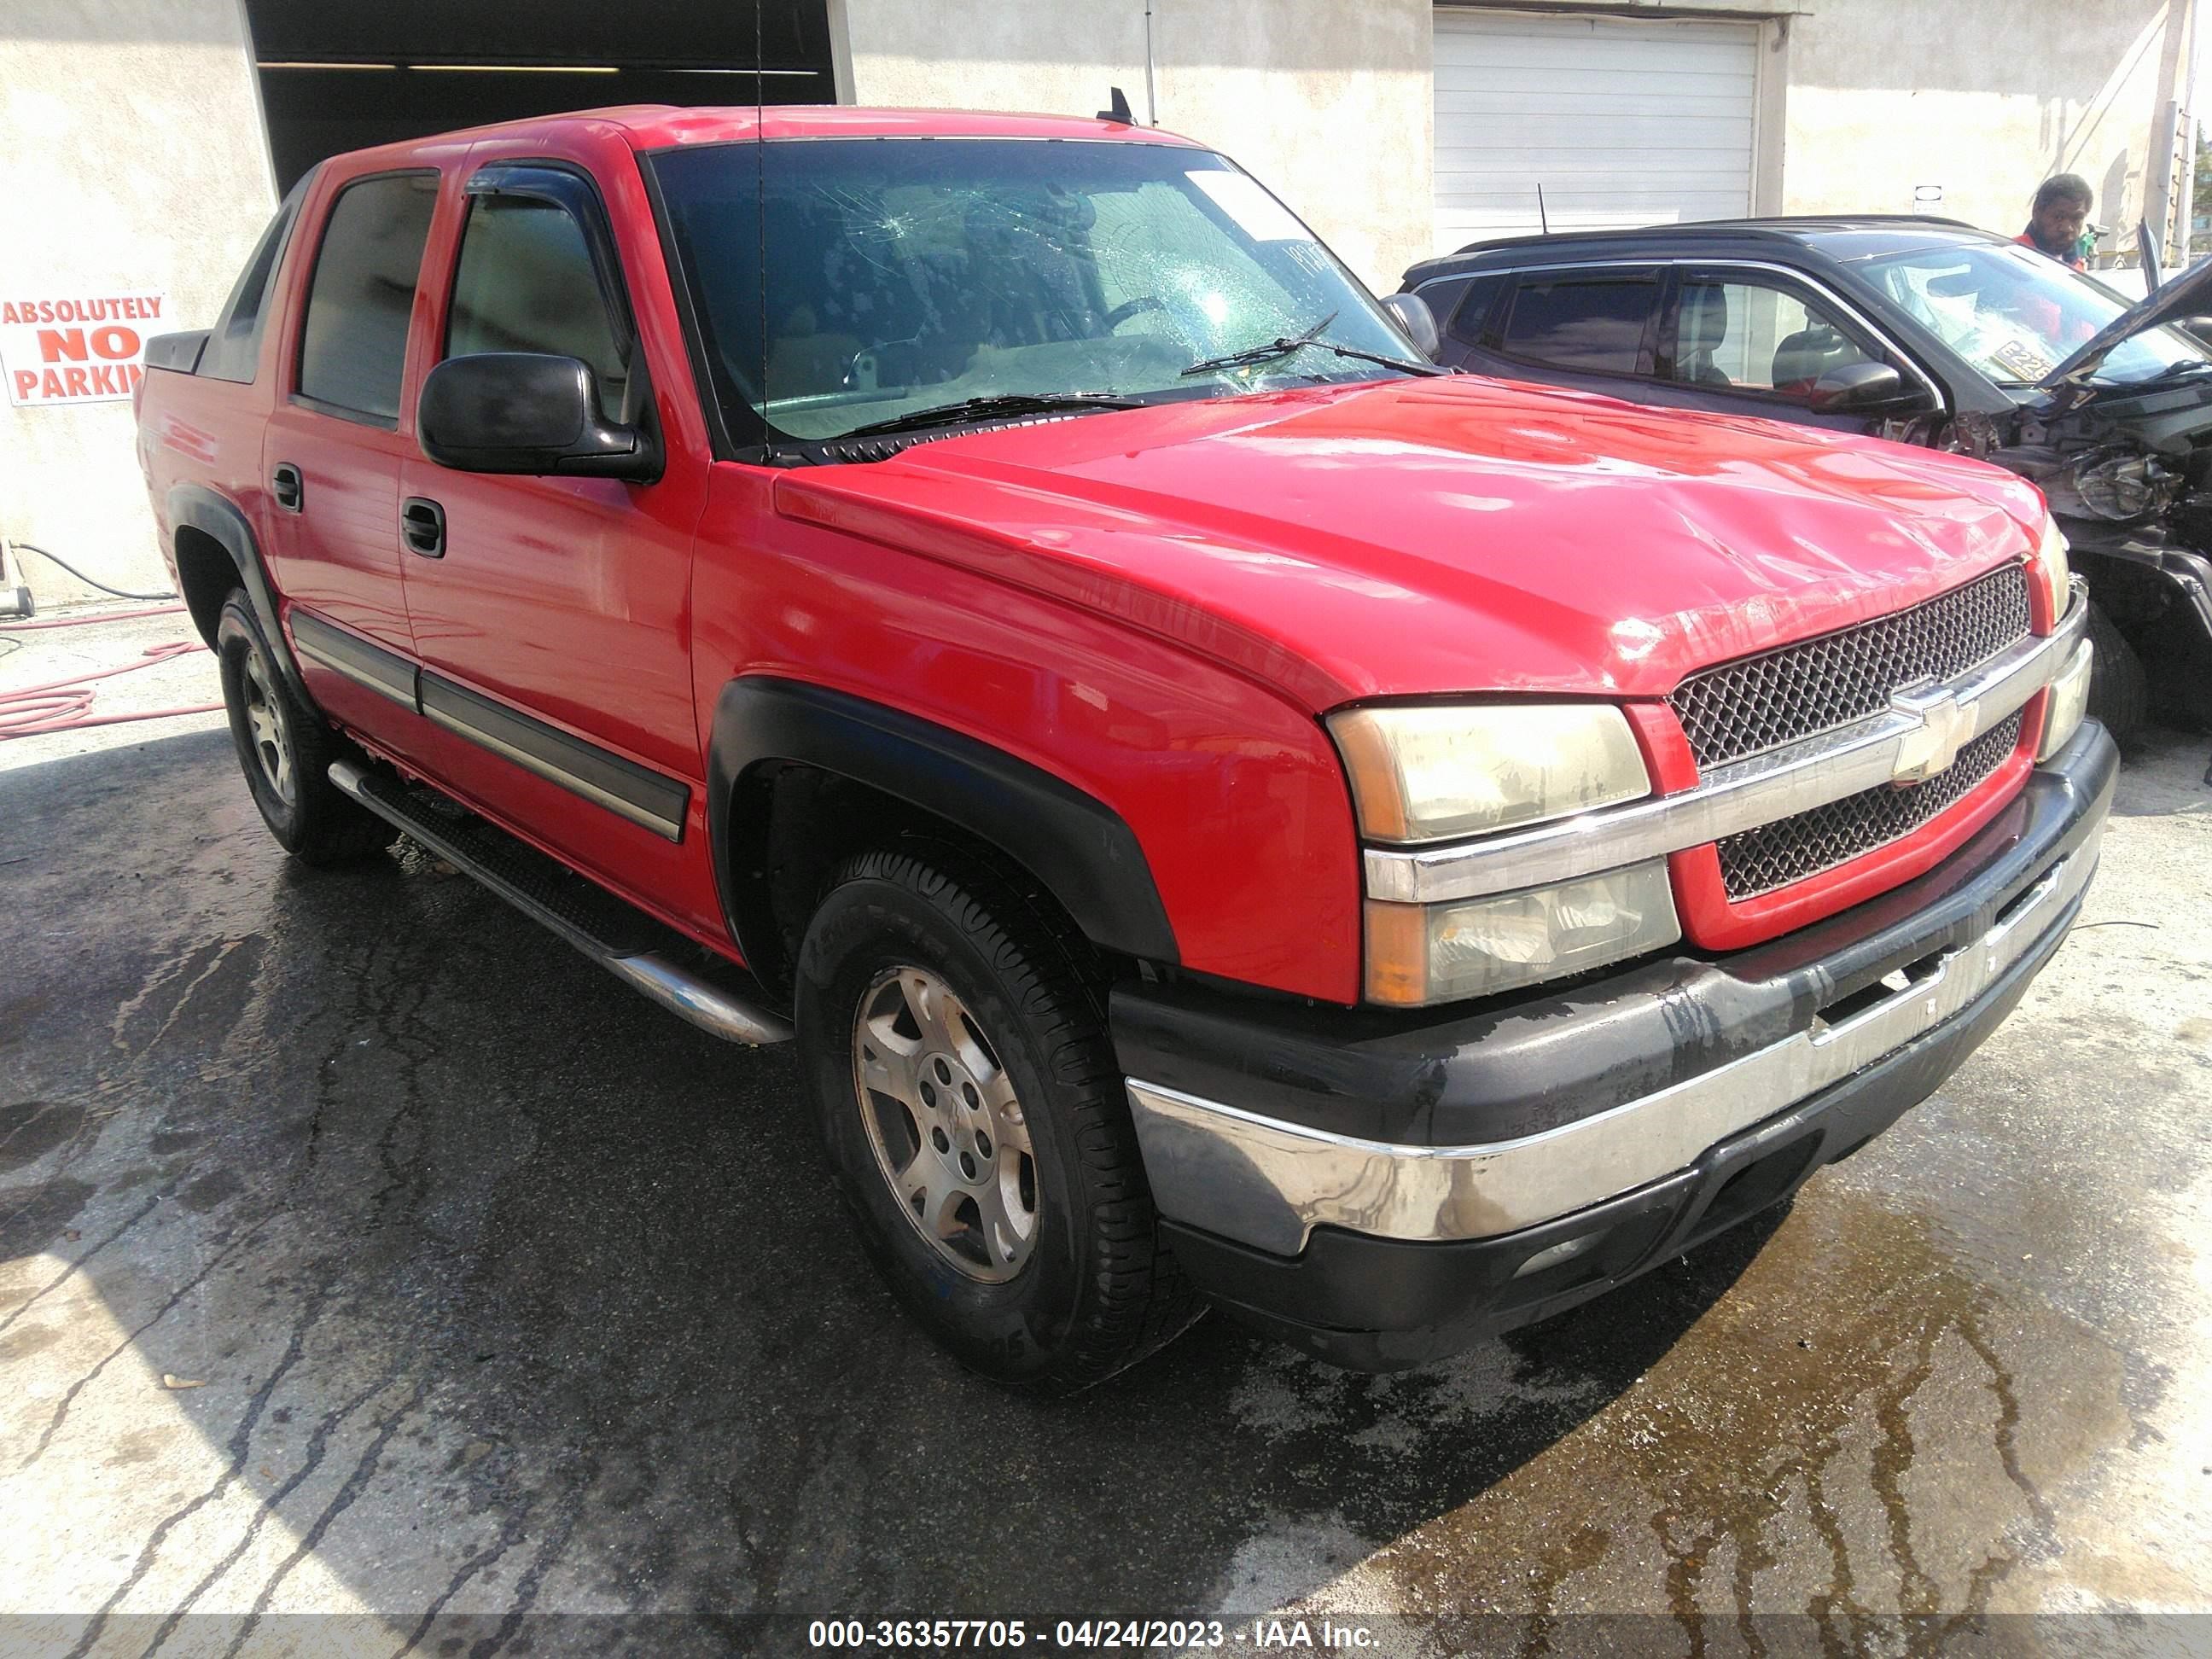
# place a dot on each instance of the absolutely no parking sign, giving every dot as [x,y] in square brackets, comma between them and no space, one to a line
[78,347]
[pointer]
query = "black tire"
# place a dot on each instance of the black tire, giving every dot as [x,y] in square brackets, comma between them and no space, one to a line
[285,749]
[2119,690]
[1094,1288]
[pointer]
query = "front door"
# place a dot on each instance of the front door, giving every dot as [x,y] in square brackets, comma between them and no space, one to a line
[1751,342]
[551,614]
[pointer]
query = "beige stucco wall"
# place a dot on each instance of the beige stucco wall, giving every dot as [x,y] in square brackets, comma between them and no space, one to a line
[1327,101]
[132,158]
[1986,98]
[133,154]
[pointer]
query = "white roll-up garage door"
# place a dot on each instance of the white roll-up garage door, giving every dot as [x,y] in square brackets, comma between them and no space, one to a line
[1623,122]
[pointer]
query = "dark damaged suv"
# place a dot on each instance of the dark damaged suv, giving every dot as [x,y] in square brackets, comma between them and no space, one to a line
[1923,330]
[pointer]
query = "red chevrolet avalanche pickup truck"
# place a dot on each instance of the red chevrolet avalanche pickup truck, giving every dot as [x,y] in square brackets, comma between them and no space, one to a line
[1225,809]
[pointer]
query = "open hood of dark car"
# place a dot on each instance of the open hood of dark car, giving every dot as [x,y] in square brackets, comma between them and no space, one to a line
[2187,294]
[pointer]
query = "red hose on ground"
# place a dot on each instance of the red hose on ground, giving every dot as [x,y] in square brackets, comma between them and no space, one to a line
[64,705]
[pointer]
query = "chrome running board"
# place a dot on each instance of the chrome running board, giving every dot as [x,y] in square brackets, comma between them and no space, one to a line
[643,953]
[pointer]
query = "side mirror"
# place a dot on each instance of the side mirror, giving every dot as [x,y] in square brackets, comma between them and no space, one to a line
[1413,315]
[1869,388]
[523,411]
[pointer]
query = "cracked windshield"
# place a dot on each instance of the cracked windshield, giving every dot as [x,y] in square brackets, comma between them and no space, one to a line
[907,276]
[2016,315]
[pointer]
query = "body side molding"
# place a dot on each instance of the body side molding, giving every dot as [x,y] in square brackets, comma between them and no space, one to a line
[385,672]
[647,798]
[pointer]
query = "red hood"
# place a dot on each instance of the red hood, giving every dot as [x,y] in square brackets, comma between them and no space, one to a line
[1445,535]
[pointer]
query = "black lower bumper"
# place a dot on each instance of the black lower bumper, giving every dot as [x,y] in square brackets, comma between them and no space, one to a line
[1376,1303]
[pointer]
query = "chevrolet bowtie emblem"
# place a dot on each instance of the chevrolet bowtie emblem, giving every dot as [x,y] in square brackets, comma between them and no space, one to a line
[1946,725]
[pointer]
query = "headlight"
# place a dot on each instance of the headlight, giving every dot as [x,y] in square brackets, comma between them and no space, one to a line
[2069,702]
[1419,954]
[2123,486]
[1432,773]
[2053,572]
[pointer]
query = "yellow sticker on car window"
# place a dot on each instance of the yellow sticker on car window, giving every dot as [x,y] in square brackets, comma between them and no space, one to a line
[2022,359]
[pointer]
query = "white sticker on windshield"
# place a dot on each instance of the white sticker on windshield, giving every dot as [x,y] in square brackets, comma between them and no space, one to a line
[1257,213]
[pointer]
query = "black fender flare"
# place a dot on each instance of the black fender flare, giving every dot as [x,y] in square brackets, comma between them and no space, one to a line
[195,506]
[1082,852]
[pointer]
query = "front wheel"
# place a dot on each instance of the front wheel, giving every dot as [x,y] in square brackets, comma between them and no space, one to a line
[969,1097]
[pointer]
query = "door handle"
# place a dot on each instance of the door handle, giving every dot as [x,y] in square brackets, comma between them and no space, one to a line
[286,485]
[422,521]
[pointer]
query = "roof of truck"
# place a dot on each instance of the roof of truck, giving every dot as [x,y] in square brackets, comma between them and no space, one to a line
[662,126]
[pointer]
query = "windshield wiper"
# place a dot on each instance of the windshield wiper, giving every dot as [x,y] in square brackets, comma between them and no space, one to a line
[992,408]
[1284,344]
[2175,371]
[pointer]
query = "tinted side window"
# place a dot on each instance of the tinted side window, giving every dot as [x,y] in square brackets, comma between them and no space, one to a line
[1475,305]
[1441,294]
[1594,323]
[353,350]
[525,283]
[233,345]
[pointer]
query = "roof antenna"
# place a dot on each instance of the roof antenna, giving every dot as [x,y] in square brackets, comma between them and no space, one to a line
[1151,103]
[760,217]
[1120,113]
[1542,217]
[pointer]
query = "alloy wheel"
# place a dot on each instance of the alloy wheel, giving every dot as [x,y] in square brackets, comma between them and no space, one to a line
[949,1133]
[264,725]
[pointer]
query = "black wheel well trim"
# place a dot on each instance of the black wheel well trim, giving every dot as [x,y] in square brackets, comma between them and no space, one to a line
[1082,852]
[195,506]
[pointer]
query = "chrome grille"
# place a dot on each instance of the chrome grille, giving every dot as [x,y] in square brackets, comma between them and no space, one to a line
[1758,703]
[1789,849]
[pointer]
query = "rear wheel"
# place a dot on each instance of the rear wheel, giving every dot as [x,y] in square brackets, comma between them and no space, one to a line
[953,1043]
[285,749]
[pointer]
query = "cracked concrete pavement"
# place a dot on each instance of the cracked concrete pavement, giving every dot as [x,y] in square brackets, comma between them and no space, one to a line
[364,1251]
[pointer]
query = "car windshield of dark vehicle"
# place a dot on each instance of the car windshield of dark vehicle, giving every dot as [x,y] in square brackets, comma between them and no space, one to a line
[909,275]
[2017,316]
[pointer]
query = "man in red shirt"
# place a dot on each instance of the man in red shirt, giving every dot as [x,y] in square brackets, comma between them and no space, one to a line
[2056,222]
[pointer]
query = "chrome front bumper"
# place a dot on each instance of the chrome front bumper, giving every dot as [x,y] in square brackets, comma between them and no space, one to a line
[1266,1183]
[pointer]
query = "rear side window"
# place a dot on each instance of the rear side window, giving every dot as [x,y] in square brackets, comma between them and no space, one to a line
[233,345]
[353,350]
[525,283]
[1476,303]
[1593,324]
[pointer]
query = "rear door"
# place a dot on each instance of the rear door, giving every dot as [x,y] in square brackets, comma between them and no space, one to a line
[334,442]
[551,614]
[1595,328]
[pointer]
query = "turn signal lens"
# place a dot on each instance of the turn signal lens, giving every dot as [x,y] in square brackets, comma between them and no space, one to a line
[2068,701]
[2052,570]
[1431,773]
[1422,954]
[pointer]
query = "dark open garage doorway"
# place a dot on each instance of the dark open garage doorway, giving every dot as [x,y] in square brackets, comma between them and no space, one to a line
[340,75]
